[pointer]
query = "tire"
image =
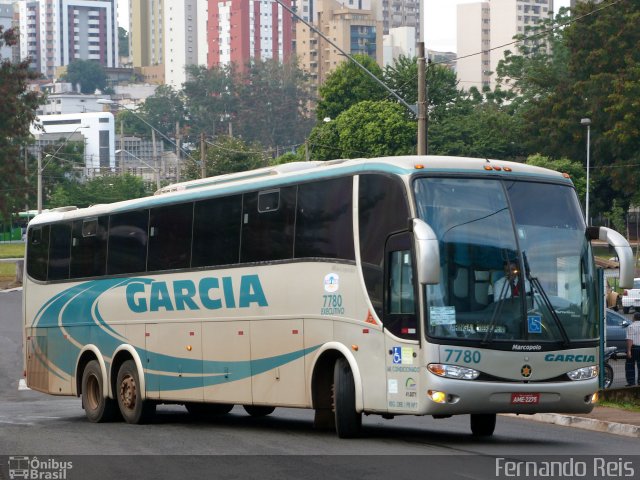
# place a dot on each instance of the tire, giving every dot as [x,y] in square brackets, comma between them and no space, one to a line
[625,310]
[97,406]
[608,375]
[348,420]
[258,410]
[208,409]
[483,424]
[132,407]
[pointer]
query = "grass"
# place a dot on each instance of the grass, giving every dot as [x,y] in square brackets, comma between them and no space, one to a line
[632,407]
[11,250]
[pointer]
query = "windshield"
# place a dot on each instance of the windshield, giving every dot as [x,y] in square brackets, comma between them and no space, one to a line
[515,262]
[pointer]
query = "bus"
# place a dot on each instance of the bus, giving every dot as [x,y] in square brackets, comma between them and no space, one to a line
[350,287]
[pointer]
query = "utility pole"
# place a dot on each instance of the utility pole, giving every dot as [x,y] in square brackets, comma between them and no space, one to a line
[39,179]
[177,151]
[422,101]
[155,158]
[203,156]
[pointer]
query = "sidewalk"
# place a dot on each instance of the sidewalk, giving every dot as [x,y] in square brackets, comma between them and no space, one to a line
[601,419]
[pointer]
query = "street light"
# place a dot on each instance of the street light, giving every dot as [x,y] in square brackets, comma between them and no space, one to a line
[156,170]
[587,122]
[51,157]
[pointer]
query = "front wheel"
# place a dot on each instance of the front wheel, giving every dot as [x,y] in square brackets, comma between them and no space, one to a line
[132,407]
[348,420]
[483,424]
[97,406]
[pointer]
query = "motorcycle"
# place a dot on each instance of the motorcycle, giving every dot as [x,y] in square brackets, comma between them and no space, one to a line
[609,352]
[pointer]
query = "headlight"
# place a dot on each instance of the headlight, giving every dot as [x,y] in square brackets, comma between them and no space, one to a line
[453,371]
[584,373]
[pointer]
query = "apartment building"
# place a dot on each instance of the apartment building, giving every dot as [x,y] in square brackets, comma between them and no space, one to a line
[354,31]
[240,30]
[54,33]
[485,31]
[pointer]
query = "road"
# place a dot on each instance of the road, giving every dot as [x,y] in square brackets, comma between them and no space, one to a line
[283,445]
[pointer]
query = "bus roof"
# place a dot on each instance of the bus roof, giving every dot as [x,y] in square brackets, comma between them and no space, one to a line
[295,172]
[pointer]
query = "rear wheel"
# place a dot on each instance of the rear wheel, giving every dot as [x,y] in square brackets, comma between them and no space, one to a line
[348,420]
[207,409]
[97,406]
[483,424]
[132,407]
[625,309]
[258,410]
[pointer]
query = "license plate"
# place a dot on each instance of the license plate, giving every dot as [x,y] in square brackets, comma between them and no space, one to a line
[525,398]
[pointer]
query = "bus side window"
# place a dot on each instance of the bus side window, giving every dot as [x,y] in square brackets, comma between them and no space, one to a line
[128,242]
[59,251]
[400,292]
[268,221]
[170,237]
[216,231]
[89,247]
[38,252]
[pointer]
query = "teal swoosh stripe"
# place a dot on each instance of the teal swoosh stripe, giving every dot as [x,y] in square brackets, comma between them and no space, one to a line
[77,310]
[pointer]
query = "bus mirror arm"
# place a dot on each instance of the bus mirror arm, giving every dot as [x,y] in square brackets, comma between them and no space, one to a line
[427,253]
[624,253]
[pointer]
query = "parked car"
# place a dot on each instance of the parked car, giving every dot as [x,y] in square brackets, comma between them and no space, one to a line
[616,331]
[631,297]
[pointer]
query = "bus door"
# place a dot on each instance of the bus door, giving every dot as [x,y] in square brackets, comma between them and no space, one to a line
[400,321]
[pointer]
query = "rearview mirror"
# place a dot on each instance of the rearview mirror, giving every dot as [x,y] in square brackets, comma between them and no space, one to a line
[623,252]
[427,253]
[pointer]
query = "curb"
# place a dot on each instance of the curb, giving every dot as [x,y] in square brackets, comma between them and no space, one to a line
[584,423]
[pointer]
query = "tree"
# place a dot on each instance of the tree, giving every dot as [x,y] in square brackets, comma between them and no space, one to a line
[123,42]
[89,74]
[163,109]
[442,84]
[225,155]
[16,114]
[273,104]
[105,189]
[593,73]
[210,98]
[348,85]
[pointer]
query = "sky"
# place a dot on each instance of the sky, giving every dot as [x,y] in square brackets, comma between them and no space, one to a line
[440,21]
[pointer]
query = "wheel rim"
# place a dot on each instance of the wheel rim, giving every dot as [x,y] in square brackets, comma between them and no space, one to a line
[128,392]
[93,392]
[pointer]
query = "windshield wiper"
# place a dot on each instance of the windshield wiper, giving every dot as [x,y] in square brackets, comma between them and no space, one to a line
[545,298]
[498,302]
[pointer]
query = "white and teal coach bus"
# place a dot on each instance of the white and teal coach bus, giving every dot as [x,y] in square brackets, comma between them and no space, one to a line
[380,286]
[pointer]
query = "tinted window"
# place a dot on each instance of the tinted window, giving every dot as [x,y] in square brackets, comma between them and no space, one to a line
[89,247]
[59,251]
[324,226]
[128,242]
[216,231]
[170,237]
[38,252]
[268,234]
[382,211]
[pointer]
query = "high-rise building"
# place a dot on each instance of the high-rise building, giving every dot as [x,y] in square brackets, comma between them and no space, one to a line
[54,33]
[240,30]
[6,21]
[401,13]
[486,31]
[354,31]
[185,38]
[146,39]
